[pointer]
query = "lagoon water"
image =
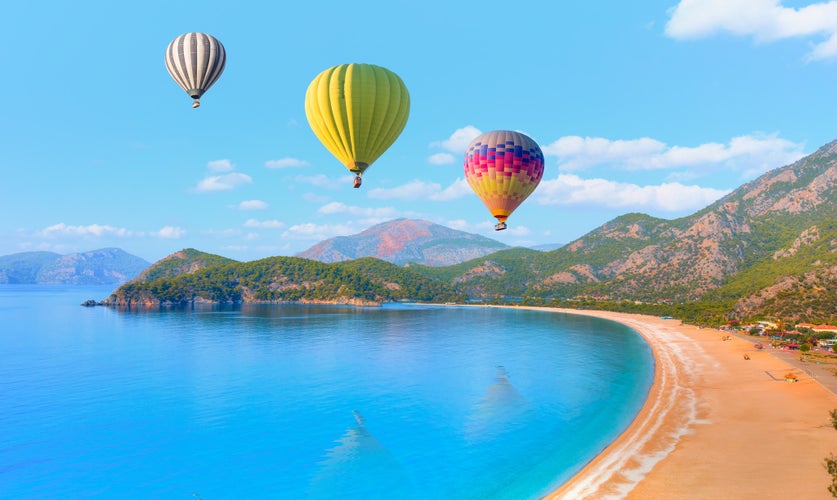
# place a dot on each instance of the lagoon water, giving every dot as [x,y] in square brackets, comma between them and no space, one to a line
[289,401]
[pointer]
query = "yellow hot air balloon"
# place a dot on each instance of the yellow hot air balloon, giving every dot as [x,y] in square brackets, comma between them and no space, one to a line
[503,168]
[357,111]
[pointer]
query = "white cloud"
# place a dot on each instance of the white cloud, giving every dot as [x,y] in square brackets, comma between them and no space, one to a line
[672,197]
[441,159]
[748,155]
[311,231]
[62,230]
[764,20]
[418,190]
[220,166]
[251,205]
[514,230]
[343,209]
[264,224]
[95,230]
[169,232]
[223,233]
[460,224]
[315,197]
[286,163]
[323,181]
[223,182]
[576,152]
[459,140]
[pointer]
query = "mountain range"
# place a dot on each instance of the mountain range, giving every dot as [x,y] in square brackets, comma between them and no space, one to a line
[775,236]
[768,248]
[107,266]
[405,241]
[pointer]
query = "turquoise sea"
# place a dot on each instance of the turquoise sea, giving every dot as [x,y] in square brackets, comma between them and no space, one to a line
[290,401]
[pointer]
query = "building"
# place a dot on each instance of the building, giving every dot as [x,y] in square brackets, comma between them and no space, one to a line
[818,328]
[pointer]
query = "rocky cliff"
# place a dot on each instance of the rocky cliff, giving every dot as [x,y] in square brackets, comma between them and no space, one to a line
[760,225]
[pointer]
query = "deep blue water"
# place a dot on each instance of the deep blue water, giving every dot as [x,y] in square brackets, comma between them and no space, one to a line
[258,401]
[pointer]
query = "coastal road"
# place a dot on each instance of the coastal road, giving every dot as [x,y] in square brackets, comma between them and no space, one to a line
[823,373]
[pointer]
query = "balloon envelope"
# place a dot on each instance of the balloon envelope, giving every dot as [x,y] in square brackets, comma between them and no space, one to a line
[357,111]
[195,61]
[503,168]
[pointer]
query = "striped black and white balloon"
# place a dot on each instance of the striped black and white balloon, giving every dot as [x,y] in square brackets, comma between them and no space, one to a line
[195,61]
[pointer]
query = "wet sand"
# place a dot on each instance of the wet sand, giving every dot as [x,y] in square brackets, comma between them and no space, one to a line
[715,425]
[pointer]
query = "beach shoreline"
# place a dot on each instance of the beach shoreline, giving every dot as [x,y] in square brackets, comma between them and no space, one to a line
[716,424]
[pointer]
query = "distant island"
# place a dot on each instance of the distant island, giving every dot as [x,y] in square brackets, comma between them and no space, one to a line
[107,266]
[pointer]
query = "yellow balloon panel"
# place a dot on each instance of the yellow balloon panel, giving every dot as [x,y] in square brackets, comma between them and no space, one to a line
[357,111]
[503,168]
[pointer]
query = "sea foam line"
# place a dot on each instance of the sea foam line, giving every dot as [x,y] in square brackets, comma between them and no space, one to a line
[629,461]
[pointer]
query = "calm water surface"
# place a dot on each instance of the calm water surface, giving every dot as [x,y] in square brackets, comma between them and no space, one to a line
[256,401]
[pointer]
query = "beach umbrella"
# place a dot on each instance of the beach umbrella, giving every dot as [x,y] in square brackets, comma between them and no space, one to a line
[357,111]
[195,61]
[503,168]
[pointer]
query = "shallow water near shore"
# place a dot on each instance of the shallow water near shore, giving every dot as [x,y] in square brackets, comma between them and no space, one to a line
[291,401]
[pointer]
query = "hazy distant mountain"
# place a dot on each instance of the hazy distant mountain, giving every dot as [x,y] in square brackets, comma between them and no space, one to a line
[108,266]
[547,247]
[404,241]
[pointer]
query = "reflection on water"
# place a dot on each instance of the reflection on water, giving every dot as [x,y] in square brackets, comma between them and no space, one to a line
[252,400]
[499,410]
[359,467]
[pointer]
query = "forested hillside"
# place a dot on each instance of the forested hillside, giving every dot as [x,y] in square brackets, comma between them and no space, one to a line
[282,279]
[767,248]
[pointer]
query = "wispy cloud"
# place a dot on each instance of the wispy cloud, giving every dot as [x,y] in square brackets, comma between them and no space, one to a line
[170,233]
[763,20]
[96,230]
[456,144]
[251,205]
[569,189]
[264,224]
[749,155]
[311,231]
[460,224]
[223,182]
[223,233]
[418,189]
[441,159]
[220,166]
[286,163]
[315,197]
[325,182]
[354,211]
[68,231]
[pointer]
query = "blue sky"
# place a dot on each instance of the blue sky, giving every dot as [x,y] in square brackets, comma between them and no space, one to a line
[658,107]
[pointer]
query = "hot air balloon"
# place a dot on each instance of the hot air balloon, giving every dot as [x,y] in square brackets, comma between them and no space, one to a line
[503,168]
[357,111]
[195,61]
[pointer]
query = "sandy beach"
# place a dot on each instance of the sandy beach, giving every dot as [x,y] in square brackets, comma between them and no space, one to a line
[715,425]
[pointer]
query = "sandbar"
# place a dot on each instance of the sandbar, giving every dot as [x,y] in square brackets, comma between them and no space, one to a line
[715,425]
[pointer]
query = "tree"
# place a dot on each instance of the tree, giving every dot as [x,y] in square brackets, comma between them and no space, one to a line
[831,460]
